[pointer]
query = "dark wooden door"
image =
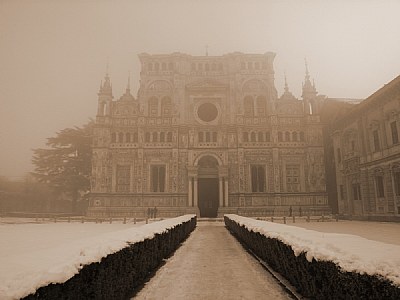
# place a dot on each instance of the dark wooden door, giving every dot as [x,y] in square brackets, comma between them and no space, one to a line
[208,197]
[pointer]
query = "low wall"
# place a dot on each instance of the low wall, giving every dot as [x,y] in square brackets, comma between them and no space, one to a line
[314,279]
[117,275]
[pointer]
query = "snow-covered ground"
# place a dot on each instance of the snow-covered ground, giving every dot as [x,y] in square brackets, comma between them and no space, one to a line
[352,253]
[34,255]
[378,231]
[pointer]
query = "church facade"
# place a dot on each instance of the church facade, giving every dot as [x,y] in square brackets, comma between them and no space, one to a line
[207,135]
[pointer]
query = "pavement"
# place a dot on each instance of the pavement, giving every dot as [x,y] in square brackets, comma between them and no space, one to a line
[211,264]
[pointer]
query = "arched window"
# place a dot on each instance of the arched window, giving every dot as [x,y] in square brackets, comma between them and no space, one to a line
[113,137]
[166,106]
[248,106]
[280,136]
[261,103]
[128,137]
[150,67]
[200,66]
[162,137]
[135,137]
[153,107]
[260,137]
[207,67]
[287,136]
[257,65]
[120,137]
[169,137]
[294,136]
[164,66]
[193,67]
[170,66]
[156,66]
[250,65]
[147,137]
[155,136]
[253,137]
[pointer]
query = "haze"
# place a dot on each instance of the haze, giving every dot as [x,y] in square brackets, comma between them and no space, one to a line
[53,54]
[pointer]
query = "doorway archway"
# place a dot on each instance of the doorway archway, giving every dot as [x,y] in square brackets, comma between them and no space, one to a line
[208,186]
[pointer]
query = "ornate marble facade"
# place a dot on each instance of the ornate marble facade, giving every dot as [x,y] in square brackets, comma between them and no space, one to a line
[207,135]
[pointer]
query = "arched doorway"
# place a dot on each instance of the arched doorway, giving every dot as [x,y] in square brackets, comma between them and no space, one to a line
[208,187]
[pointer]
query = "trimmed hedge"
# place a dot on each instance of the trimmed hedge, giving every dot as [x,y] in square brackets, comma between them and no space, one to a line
[315,279]
[117,275]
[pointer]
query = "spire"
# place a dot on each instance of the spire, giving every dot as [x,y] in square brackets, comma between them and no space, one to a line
[309,90]
[128,87]
[106,86]
[287,95]
[286,85]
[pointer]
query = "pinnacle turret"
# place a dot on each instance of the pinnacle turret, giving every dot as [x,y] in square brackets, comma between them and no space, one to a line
[309,90]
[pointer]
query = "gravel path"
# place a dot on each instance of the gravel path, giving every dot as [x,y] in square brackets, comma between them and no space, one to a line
[211,264]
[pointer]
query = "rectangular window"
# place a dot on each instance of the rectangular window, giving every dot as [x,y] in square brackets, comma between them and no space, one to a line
[123,178]
[293,178]
[380,191]
[377,145]
[356,191]
[157,181]
[257,178]
[395,136]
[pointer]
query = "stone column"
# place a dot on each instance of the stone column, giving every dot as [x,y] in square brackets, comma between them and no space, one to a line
[221,192]
[195,192]
[190,199]
[226,191]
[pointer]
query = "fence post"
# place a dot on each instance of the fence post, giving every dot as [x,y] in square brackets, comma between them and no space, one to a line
[294,219]
[337,218]
[110,220]
[134,220]
[83,220]
[272,219]
[147,221]
[308,218]
[284,220]
[124,220]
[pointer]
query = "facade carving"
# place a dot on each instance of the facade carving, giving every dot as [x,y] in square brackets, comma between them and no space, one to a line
[207,135]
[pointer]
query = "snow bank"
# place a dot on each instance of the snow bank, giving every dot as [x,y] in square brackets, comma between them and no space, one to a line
[26,272]
[350,252]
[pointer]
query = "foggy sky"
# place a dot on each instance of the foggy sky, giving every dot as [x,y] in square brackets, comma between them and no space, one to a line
[53,54]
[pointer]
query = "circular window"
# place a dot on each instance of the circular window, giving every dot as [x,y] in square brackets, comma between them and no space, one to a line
[207,112]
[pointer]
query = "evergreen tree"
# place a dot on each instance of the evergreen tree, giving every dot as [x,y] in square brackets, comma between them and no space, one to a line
[65,166]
